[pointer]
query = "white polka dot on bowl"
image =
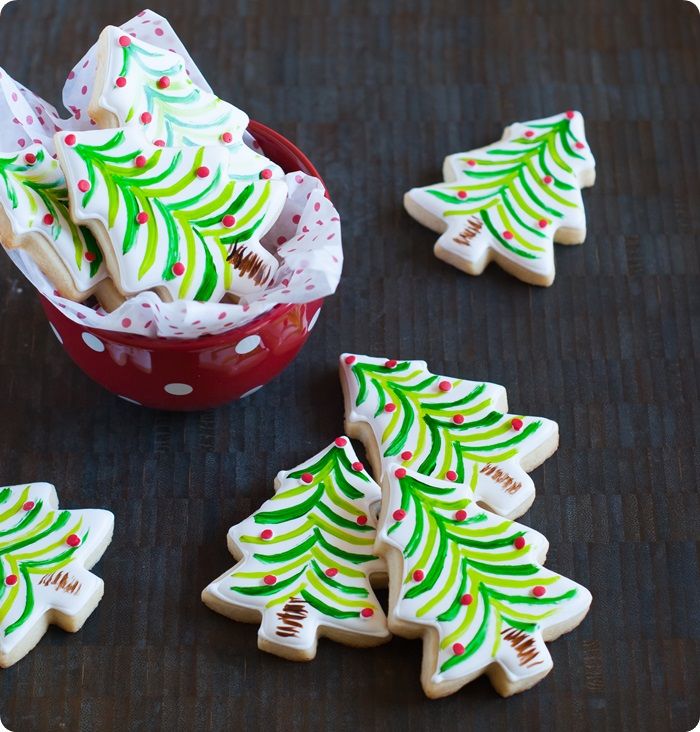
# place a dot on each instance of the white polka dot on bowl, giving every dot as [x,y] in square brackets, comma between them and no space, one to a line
[314,318]
[248,344]
[93,342]
[56,333]
[178,389]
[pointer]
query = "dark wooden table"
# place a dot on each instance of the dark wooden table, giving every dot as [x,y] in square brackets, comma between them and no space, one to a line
[377,93]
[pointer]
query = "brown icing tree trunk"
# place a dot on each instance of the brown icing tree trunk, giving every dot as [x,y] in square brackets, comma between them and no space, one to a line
[291,617]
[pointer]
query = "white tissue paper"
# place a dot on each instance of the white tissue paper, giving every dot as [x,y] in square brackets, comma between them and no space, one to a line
[306,237]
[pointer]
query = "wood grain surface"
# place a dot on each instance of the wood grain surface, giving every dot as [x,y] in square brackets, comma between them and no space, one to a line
[377,92]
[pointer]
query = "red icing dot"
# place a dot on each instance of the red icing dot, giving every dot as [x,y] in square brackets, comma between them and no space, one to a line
[366,612]
[529,133]
[519,543]
[406,455]
[516,424]
[266,534]
[178,269]
[159,143]
[124,41]
[90,256]
[227,137]
[350,359]
[146,117]
[538,591]
[159,31]
[444,386]
[140,161]
[570,113]
[141,217]
[307,477]
[461,194]
[547,179]
[69,139]
[28,506]
[30,158]
[400,472]
[471,163]
[358,466]
[466,599]
[461,514]
[451,475]
[228,221]
[164,82]
[340,441]
[458,649]
[266,174]
[11,579]
[508,235]
[121,81]
[389,407]
[48,219]
[73,540]
[418,575]
[331,572]
[542,223]
[126,322]
[269,579]
[361,520]
[83,186]
[202,171]
[579,146]
[399,514]
[391,363]
[458,419]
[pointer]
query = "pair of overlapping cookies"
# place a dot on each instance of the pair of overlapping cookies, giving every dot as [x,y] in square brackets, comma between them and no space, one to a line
[163,195]
[452,464]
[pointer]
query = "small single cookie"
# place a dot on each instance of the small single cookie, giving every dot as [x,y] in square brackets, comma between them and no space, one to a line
[305,560]
[170,219]
[508,202]
[34,217]
[471,584]
[446,427]
[45,555]
[138,83]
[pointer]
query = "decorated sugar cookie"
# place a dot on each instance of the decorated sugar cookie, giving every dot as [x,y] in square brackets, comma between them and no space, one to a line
[141,84]
[450,428]
[306,558]
[34,217]
[472,585]
[45,555]
[170,219]
[508,202]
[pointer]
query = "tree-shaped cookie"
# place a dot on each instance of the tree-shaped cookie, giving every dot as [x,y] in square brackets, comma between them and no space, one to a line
[141,84]
[445,427]
[510,201]
[170,219]
[305,559]
[45,555]
[34,217]
[472,585]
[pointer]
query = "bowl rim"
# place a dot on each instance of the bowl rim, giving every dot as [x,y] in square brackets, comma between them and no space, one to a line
[213,339]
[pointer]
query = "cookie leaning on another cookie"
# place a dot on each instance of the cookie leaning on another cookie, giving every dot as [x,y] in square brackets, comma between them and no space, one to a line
[471,584]
[170,219]
[45,555]
[509,201]
[140,84]
[305,560]
[34,217]
[445,427]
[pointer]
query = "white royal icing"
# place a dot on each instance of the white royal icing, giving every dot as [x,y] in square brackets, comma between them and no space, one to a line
[332,525]
[493,470]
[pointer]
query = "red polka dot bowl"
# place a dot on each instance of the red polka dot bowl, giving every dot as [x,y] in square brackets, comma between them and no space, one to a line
[204,372]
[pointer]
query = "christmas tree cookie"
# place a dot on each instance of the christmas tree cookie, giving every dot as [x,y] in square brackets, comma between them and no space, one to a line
[445,427]
[45,555]
[140,84]
[34,217]
[170,219]
[508,202]
[471,584]
[306,558]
